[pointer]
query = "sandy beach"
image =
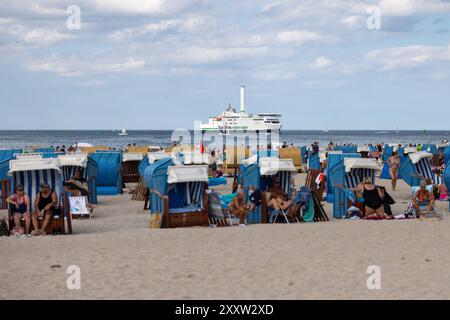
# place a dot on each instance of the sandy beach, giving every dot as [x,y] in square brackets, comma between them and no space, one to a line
[121,258]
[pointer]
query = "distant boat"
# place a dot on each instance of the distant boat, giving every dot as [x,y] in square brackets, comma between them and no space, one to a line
[123,132]
[383,132]
[325,130]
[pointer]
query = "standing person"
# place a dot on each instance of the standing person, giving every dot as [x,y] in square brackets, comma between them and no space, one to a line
[19,203]
[212,164]
[394,166]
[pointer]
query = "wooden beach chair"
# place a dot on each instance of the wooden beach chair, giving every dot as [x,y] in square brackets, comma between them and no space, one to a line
[5,190]
[312,185]
[30,174]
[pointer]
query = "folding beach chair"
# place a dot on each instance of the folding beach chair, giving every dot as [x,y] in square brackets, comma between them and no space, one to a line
[224,218]
[78,207]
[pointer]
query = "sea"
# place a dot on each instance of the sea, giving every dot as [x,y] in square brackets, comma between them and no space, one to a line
[27,138]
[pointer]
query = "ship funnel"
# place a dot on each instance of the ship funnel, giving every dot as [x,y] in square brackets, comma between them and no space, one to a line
[243,99]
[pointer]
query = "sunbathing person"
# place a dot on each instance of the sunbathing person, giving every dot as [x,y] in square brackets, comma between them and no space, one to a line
[238,207]
[46,206]
[19,203]
[423,199]
[373,199]
[77,187]
[278,197]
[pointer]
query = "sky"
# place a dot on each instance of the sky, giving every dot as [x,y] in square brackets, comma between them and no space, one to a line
[163,64]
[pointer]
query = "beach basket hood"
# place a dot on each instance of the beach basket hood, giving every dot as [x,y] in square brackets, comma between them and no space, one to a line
[271,166]
[156,156]
[132,156]
[359,163]
[34,165]
[73,160]
[182,174]
[416,157]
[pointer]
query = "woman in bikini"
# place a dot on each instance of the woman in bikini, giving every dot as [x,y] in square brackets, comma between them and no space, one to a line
[394,166]
[19,203]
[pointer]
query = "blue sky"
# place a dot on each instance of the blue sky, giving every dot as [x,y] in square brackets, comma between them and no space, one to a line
[162,64]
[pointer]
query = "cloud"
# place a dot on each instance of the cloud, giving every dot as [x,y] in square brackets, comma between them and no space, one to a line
[73,66]
[321,63]
[407,56]
[38,37]
[411,7]
[297,37]
[352,21]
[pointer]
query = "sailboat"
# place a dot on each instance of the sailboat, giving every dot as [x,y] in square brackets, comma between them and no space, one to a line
[398,129]
[123,132]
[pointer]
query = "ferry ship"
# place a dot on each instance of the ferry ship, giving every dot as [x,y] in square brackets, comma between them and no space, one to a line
[233,121]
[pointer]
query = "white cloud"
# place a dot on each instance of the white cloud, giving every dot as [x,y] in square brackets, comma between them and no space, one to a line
[352,21]
[73,66]
[411,7]
[150,28]
[407,57]
[321,63]
[297,37]
[37,37]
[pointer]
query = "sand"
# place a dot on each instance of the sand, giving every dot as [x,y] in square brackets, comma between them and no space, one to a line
[120,258]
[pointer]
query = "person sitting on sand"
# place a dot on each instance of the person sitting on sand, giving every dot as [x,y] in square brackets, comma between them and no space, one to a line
[19,204]
[373,199]
[394,166]
[238,207]
[423,199]
[47,206]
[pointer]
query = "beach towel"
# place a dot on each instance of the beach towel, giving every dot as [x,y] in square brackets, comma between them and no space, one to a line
[309,213]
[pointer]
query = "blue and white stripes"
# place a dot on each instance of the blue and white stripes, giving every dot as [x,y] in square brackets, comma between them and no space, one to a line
[31,181]
[285,181]
[194,194]
[356,176]
[424,170]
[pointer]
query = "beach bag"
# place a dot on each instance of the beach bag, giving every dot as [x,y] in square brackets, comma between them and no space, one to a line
[4,231]
[156,221]
[256,197]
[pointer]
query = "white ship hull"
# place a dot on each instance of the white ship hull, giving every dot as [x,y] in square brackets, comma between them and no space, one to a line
[241,127]
[234,121]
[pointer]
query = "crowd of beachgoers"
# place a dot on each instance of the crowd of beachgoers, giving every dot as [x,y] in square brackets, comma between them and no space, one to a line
[370,201]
